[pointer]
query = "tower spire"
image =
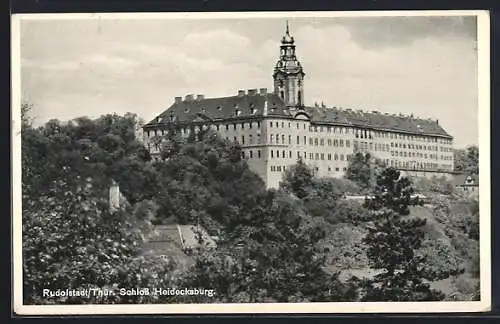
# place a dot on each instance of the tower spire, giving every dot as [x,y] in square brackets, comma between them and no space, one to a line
[288,74]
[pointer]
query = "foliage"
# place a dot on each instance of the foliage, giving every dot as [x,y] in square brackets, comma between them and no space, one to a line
[206,181]
[298,179]
[72,241]
[467,160]
[435,185]
[391,191]
[105,148]
[347,211]
[360,169]
[344,246]
[276,257]
[393,240]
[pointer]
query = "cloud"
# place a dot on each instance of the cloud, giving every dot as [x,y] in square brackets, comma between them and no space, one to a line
[376,32]
[427,67]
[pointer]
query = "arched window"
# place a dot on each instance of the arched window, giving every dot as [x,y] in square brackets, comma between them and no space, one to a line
[282,94]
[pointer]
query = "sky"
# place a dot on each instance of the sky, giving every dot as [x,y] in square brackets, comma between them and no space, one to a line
[87,67]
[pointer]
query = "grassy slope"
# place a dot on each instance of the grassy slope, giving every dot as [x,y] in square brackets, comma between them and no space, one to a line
[346,251]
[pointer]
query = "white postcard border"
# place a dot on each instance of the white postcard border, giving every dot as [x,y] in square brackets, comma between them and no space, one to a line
[483,48]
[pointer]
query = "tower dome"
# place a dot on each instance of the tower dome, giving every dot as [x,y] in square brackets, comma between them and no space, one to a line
[287,39]
[288,73]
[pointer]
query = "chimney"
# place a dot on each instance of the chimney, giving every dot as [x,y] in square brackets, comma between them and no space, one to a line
[252,92]
[178,99]
[189,97]
[263,90]
[437,121]
[241,93]
[114,197]
[200,97]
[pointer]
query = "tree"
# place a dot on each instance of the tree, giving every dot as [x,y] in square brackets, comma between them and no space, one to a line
[271,254]
[298,179]
[72,241]
[360,169]
[393,238]
[467,160]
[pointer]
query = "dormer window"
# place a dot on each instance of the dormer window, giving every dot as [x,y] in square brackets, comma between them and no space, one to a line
[219,108]
[237,112]
[252,111]
[186,110]
[203,110]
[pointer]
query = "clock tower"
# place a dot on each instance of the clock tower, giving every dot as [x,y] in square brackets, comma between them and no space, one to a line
[288,74]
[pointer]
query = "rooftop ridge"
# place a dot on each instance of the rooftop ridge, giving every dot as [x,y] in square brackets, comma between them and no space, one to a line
[375,112]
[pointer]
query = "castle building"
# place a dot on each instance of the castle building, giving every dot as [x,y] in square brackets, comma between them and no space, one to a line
[276,128]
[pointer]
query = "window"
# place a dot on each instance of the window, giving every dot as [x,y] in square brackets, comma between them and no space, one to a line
[341,157]
[250,138]
[258,124]
[337,169]
[250,124]
[282,124]
[227,127]
[341,142]
[258,154]
[289,139]
[297,125]
[284,154]
[316,156]
[251,154]
[311,156]
[242,154]
[277,125]
[298,139]
[310,141]
[272,154]
[242,139]
[243,125]
[336,157]
[347,143]
[271,139]
[329,157]
[315,142]
[329,142]
[322,142]
[277,139]
[305,140]
[322,156]
[234,126]
[283,139]
[234,139]
[290,154]
[277,153]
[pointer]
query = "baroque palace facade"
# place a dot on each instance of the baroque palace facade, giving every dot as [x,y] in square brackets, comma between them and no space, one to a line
[275,129]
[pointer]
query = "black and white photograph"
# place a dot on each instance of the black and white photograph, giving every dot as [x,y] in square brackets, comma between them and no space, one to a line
[259,162]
